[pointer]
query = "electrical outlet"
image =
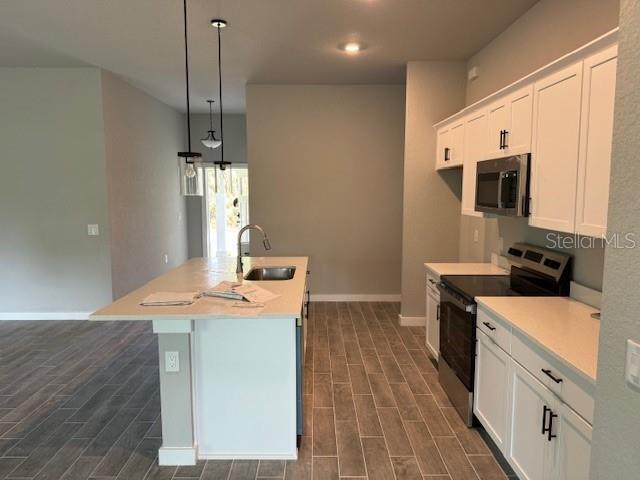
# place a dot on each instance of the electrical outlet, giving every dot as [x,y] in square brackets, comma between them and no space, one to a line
[166,258]
[171,362]
[475,235]
[93,230]
[632,368]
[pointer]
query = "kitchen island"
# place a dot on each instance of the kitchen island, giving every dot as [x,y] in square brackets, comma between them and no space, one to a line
[234,390]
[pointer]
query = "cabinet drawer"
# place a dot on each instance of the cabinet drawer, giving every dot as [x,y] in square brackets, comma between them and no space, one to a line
[571,389]
[497,331]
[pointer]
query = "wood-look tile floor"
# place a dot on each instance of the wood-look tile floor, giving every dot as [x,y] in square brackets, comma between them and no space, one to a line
[80,400]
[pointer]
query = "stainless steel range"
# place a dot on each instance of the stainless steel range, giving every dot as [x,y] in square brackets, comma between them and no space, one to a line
[535,271]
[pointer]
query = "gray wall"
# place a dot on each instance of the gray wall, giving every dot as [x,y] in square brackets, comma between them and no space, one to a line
[431,209]
[325,173]
[617,418]
[535,39]
[52,185]
[235,150]
[147,214]
[547,31]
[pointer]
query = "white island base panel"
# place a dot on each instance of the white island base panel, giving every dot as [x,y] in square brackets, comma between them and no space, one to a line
[245,388]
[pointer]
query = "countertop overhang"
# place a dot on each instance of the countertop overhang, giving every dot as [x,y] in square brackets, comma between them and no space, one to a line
[199,274]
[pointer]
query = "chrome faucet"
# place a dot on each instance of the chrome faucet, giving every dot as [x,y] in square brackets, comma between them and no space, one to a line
[265,242]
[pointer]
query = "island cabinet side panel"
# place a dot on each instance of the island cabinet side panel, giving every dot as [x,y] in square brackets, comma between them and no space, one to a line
[178,446]
[245,388]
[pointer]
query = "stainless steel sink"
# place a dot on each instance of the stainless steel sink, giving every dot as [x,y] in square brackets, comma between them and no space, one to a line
[270,273]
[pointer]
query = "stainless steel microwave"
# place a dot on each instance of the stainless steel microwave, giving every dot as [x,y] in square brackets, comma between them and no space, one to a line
[502,186]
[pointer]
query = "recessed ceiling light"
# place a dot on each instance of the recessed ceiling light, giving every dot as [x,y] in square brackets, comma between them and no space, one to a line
[352,47]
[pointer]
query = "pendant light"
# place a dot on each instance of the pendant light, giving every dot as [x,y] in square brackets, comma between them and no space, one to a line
[210,141]
[191,174]
[219,24]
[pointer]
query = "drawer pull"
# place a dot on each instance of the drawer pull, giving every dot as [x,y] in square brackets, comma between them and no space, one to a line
[548,373]
[489,326]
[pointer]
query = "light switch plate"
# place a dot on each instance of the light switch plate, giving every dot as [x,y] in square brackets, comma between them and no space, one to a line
[171,362]
[93,229]
[632,367]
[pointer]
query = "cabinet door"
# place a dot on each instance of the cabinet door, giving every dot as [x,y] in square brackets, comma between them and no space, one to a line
[443,147]
[528,450]
[491,390]
[596,132]
[433,323]
[573,445]
[520,109]
[556,134]
[497,121]
[457,145]
[475,149]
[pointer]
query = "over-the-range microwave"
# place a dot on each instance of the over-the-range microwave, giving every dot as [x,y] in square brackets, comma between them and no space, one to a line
[502,186]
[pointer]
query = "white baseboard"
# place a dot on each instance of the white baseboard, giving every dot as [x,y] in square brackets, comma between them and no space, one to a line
[177,456]
[335,297]
[248,456]
[44,315]
[412,321]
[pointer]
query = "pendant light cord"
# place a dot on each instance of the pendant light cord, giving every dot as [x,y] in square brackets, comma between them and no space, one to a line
[186,67]
[220,95]
[210,115]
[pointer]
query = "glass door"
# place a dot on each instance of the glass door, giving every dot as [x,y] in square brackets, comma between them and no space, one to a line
[226,209]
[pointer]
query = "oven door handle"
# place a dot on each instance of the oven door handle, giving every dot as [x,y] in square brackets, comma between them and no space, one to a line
[449,296]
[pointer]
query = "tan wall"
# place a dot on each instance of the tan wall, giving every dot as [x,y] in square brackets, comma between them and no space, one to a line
[431,209]
[547,31]
[616,419]
[147,215]
[550,29]
[325,172]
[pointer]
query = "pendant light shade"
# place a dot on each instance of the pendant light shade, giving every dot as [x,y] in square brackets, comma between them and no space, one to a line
[191,174]
[210,141]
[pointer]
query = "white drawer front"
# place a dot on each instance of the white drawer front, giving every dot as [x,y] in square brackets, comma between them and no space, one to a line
[432,281]
[556,376]
[498,331]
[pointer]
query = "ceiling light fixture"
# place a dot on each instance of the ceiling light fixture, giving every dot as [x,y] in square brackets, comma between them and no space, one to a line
[352,48]
[219,24]
[210,141]
[191,183]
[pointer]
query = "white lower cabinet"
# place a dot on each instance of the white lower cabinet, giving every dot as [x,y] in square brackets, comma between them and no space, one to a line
[433,321]
[490,396]
[574,445]
[536,429]
[528,449]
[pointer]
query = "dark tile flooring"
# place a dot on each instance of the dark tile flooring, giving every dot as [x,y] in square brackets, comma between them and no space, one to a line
[79,400]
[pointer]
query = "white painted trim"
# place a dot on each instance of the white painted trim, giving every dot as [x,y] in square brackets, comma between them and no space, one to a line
[248,456]
[177,456]
[338,297]
[44,315]
[412,321]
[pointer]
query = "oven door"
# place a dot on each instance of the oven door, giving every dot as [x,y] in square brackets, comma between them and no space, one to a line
[458,334]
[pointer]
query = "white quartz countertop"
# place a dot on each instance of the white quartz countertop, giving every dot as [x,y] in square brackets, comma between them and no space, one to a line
[560,325]
[465,269]
[200,274]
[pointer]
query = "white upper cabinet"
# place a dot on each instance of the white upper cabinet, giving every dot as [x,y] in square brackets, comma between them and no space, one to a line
[450,145]
[509,124]
[475,149]
[556,134]
[596,132]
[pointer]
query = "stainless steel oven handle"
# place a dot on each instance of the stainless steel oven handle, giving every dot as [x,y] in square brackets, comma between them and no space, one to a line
[501,178]
[453,298]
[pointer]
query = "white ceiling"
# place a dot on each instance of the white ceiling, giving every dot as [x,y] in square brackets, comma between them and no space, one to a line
[267,41]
